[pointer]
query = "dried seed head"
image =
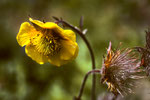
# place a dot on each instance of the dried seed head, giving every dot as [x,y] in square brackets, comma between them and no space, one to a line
[121,71]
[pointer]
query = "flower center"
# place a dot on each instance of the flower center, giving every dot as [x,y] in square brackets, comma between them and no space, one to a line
[46,43]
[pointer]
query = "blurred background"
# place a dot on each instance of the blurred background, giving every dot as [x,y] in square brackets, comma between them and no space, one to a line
[21,78]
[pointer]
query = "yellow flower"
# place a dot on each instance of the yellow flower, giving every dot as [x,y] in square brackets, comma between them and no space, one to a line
[47,42]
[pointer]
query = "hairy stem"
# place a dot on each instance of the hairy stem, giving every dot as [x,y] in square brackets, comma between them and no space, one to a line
[90,50]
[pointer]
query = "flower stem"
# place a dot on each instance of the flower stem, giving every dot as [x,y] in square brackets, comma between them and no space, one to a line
[83,83]
[90,50]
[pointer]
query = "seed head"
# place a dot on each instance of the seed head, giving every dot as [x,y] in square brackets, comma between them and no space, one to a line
[120,71]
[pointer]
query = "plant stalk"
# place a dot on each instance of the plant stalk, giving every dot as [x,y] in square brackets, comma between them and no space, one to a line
[90,50]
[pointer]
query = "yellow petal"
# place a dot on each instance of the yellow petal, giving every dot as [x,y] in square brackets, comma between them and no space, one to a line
[76,52]
[70,34]
[55,60]
[23,36]
[69,50]
[54,27]
[32,52]
[37,22]
[48,25]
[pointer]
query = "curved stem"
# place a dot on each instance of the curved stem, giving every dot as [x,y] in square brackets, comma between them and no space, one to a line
[90,50]
[83,83]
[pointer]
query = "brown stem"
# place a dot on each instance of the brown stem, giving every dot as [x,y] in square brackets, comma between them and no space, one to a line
[90,50]
[83,83]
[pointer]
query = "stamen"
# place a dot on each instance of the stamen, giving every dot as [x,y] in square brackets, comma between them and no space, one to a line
[48,45]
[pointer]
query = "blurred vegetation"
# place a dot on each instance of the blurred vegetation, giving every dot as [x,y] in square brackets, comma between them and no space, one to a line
[107,20]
